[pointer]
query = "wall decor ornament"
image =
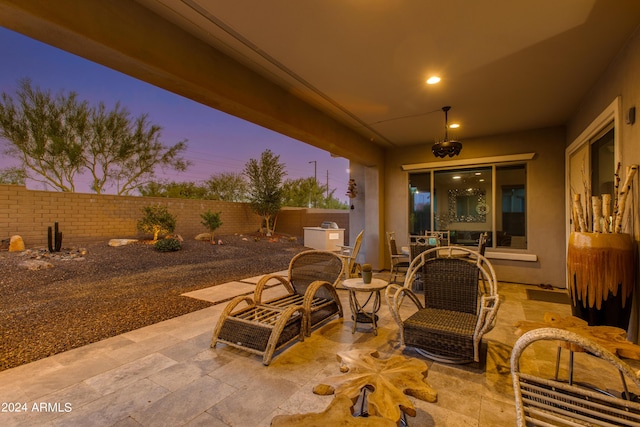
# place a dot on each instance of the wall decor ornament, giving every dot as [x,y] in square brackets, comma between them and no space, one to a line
[352,189]
[467,205]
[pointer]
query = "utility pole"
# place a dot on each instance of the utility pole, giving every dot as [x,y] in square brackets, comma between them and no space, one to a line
[315,179]
[315,170]
[327,184]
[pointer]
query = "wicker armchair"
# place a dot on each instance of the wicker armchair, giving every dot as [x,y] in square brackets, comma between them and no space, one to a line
[456,313]
[263,327]
[349,255]
[545,402]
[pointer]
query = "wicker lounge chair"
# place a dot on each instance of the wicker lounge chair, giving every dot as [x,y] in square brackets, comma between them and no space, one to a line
[263,327]
[545,402]
[456,313]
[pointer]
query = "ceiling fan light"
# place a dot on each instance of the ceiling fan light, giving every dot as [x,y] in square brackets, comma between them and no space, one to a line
[447,147]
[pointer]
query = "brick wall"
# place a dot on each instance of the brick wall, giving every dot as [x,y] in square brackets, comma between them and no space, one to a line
[85,218]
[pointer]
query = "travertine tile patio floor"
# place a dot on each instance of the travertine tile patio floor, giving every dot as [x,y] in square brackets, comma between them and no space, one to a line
[166,374]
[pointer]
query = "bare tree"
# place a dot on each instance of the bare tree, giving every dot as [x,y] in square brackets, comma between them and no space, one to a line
[56,138]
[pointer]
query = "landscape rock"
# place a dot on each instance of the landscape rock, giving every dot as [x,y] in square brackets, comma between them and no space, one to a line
[16,244]
[205,237]
[34,264]
[115,290]
[121,242]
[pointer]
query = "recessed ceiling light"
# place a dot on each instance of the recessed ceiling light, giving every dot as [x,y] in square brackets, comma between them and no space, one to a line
[433,80]
[478,173]
[456,177]
[454,125]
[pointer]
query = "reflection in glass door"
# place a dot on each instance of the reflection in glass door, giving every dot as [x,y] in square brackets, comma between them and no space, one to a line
[419,203]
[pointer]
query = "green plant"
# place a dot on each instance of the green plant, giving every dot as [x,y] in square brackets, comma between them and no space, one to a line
[54,238]
[211,221]
[265,188]
[366,267]
[157,219]
[168,245]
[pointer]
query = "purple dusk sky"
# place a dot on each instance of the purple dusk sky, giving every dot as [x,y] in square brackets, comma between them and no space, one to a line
[217,142]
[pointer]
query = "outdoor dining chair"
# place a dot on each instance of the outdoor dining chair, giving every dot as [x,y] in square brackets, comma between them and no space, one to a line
[439,238]
[455,313]
[263,327]
[419,244]
[349,255]
[399,261]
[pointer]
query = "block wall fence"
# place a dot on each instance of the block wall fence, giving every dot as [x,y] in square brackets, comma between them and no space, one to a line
[89,218]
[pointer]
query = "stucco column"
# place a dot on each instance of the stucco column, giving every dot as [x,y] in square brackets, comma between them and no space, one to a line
[365,214]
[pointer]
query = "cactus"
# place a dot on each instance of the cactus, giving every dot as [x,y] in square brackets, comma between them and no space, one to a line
[54,239]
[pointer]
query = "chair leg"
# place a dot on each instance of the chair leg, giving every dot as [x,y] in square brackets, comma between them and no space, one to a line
[277,330]
[226,313]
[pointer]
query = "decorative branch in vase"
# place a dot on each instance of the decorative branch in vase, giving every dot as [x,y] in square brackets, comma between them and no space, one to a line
[600,258]
[600,208]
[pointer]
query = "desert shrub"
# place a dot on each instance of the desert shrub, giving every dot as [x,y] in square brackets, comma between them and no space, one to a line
[157,219]
[168,245]
[211,220]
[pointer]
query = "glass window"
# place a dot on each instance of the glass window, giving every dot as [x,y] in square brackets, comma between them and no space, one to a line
[463,203]
[419,203]
[602,164]
[511,225]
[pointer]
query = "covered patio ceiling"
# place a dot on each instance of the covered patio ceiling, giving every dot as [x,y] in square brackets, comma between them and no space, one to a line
[505,66]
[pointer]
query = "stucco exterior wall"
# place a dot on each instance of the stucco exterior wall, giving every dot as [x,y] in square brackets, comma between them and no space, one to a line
[545,198]
[621,79]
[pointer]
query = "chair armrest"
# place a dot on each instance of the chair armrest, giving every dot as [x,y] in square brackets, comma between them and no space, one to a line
[345,250]
[257,294]
[227,312]
[486,316]
[394,295]
[312,290]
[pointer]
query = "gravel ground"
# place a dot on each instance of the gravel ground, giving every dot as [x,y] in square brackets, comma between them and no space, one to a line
[112,290]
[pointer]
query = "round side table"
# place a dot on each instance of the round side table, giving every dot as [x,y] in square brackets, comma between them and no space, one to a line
[358,311]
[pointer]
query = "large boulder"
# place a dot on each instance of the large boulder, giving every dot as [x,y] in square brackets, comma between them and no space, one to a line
[35,264]
[205,237]
[121,242]
[16,244]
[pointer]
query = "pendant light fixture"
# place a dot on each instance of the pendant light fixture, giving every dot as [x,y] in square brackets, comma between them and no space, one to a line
[446,147]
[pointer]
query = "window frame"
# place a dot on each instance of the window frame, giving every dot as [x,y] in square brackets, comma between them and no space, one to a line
[493,203]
